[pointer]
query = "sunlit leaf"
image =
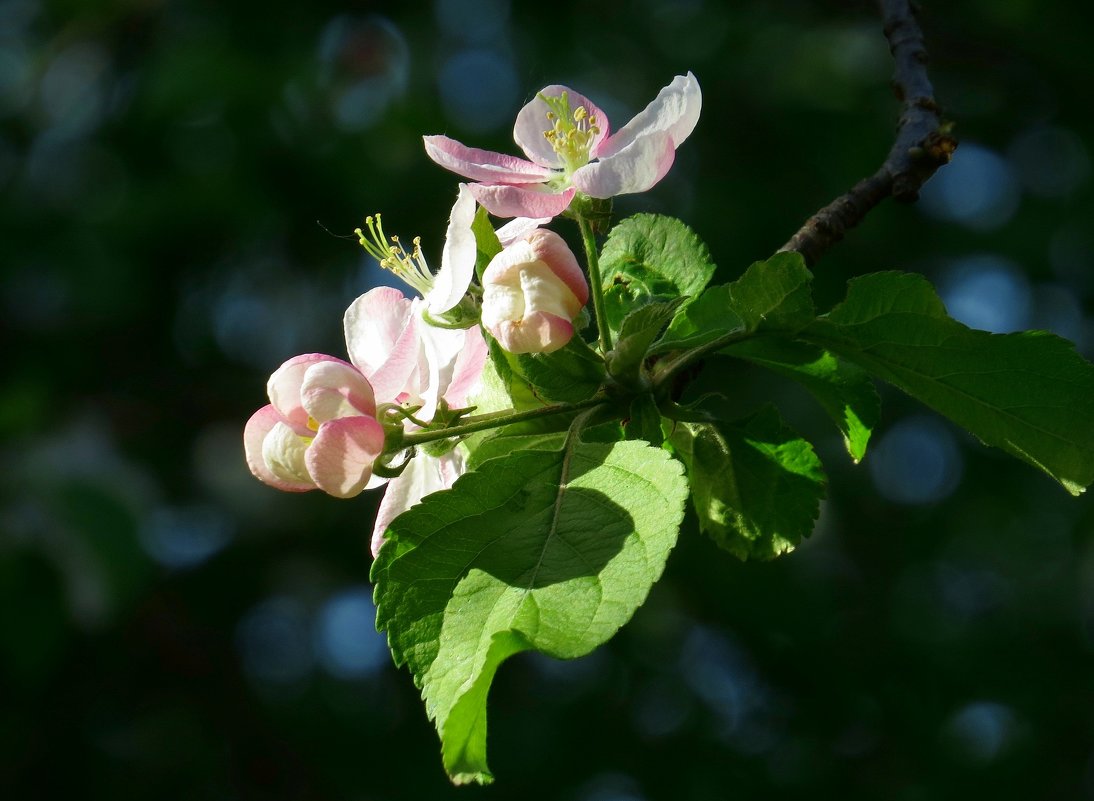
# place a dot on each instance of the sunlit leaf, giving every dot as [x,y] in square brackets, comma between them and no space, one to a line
[544,550]
[1028,393]
[756,485]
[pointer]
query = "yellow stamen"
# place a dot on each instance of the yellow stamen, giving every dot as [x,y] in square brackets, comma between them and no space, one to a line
[411,267]
[571,133]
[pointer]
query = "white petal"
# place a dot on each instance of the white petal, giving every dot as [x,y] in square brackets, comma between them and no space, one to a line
[675,111]
[283,452]
[442,347]
[457,257]
[518,227]
[424,475]
[635,168]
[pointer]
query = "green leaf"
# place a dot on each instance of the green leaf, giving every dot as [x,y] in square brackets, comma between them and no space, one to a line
[640,328]
[772,295]
[844,390]
[756,485]
[775,295]
[649,257]
[572,373]
[1028,393]
[522,436]
[487,244]
[644,422]
[544,550]
[502,386]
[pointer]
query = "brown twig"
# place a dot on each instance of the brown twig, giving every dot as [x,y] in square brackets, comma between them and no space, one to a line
[923,141]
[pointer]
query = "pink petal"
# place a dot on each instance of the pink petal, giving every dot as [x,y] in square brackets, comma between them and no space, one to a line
[538,332]
[341,456]
[482,165]
[262,423]
[284,387]
[635,168]
[457,257]
[467,372]
[552,250]
[382,339]
[532,123]
[674,111]
[527,200]
[423,476]
[331,390]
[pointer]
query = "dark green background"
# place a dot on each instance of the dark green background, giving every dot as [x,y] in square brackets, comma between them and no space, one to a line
[163,167]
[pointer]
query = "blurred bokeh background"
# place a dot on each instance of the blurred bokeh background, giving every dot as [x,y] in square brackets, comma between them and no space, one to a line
[177,180]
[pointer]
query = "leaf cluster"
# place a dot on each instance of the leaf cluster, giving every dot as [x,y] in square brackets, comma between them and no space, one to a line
[554,537]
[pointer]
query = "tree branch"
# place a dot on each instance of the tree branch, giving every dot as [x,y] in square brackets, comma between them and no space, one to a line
[923,141]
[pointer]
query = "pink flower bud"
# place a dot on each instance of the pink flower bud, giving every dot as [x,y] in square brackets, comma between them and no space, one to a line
[319,430]
[532,291]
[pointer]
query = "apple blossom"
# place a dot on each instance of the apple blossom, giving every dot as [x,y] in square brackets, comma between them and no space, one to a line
[409,359]
[532,291]
[319,429]
[569,149]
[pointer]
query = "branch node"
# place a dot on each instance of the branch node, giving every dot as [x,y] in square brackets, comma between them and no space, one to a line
[924,141]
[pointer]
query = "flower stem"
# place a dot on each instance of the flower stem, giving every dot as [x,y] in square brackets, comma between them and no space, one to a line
[482,422]
[595,286]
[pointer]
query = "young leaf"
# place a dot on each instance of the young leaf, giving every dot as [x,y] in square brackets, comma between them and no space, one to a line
[650,257]
[487,244]
[1028,393]
[544,550]
[845,391]
[755,484]
[775,295]
[572,373]
[640,328]
[502,386]
[644,422]
[771,295]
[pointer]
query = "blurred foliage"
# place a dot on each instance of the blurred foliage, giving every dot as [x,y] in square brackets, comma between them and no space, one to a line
[176,182]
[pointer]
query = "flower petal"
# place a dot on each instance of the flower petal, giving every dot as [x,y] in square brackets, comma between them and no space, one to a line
[674,111]
[341,456]
[482,165]
[635,168]
[382,339]
[518,227]
[540,245]
[284,388]
[527,200]
[532,123]
[424,475]
[255,432]
[331,390]
[442,348]
[538,332]
[457,257]
[467,372]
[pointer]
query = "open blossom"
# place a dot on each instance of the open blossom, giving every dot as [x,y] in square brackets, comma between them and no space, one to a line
[410,361]
[319,429]
[406,358]
[569,149]
[532,291]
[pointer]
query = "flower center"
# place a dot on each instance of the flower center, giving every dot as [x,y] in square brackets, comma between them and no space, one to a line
[411,267]
[571,133]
